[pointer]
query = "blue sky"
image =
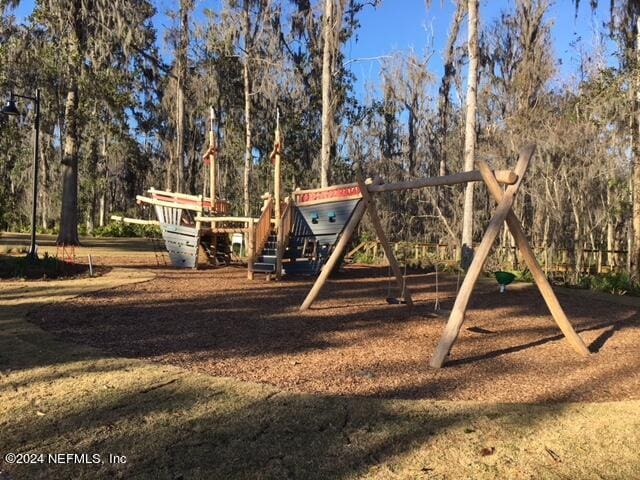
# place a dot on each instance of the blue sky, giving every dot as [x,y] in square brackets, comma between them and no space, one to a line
[401,25]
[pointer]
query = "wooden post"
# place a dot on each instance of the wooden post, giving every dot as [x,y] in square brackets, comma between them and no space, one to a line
[534,267]
[251,246]
[456,318]
[282,237]
[382,237]
[356,216]
[195,265]
[212,161]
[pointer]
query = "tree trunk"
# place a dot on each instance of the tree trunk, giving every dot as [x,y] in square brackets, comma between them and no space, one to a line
[44,153]
[105,174]
[247,111]
[181,74]
[327,114]
[635,134]
[179,137]
[68,234]
[611,229]
[102,210]
[470,133]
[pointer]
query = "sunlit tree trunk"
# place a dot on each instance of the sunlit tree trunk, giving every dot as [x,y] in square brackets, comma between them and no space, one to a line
[635,257]
[327,116]
[470,132]
[68,234]
[181,76]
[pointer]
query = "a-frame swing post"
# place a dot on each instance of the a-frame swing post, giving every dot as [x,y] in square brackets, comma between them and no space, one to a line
[382,237]
[456,318]
[537,273]
[328,267]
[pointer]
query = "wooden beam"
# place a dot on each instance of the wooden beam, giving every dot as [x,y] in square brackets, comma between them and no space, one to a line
[136,221]
[534,267]
[507,177]
[299,191]
[382,237]
[456,318]
[168,193]
[185,206]
[225,230]
[226,219]
[356,216]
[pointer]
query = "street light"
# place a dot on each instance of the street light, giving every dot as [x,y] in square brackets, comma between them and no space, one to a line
[11,109]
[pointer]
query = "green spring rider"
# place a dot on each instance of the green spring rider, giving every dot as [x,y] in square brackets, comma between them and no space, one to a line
[504,279]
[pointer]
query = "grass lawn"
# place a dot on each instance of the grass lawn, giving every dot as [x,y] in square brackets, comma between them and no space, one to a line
[171,423]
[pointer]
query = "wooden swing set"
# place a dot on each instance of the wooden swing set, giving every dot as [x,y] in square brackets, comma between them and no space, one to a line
[503,213]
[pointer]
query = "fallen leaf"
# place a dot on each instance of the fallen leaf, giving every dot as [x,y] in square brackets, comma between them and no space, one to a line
[486,451]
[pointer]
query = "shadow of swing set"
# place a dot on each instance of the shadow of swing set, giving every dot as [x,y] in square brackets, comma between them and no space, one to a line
[309,231]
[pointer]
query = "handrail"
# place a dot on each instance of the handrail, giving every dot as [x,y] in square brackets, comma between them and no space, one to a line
[263,227]
[284,232]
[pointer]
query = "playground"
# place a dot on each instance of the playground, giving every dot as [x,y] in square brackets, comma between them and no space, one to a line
[264,243]
[133,362]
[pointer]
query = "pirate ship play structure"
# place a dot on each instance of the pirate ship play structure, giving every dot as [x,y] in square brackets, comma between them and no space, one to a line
[294,236]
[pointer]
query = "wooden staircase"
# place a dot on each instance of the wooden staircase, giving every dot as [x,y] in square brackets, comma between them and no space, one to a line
[267,260]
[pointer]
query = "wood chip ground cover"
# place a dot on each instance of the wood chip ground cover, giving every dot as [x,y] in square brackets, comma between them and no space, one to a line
[353,343]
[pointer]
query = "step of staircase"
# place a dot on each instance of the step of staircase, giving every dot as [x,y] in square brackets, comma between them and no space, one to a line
[264,267]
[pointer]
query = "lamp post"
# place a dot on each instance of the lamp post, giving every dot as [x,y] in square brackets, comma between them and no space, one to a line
[11,109]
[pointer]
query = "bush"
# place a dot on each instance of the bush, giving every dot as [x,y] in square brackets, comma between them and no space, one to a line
[522,275]
[364,257]
[618,283]
[45,267]
[121,229]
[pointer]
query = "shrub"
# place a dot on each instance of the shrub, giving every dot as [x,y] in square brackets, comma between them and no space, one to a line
[364,257]
[618,283]
[121,229]
[45,267]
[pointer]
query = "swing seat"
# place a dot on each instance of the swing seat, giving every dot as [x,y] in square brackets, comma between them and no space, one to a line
[504,278]
[396,301]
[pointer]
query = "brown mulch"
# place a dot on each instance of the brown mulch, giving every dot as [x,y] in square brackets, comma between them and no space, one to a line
[353,343]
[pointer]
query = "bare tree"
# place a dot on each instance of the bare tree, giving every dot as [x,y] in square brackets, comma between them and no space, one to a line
[470,132]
